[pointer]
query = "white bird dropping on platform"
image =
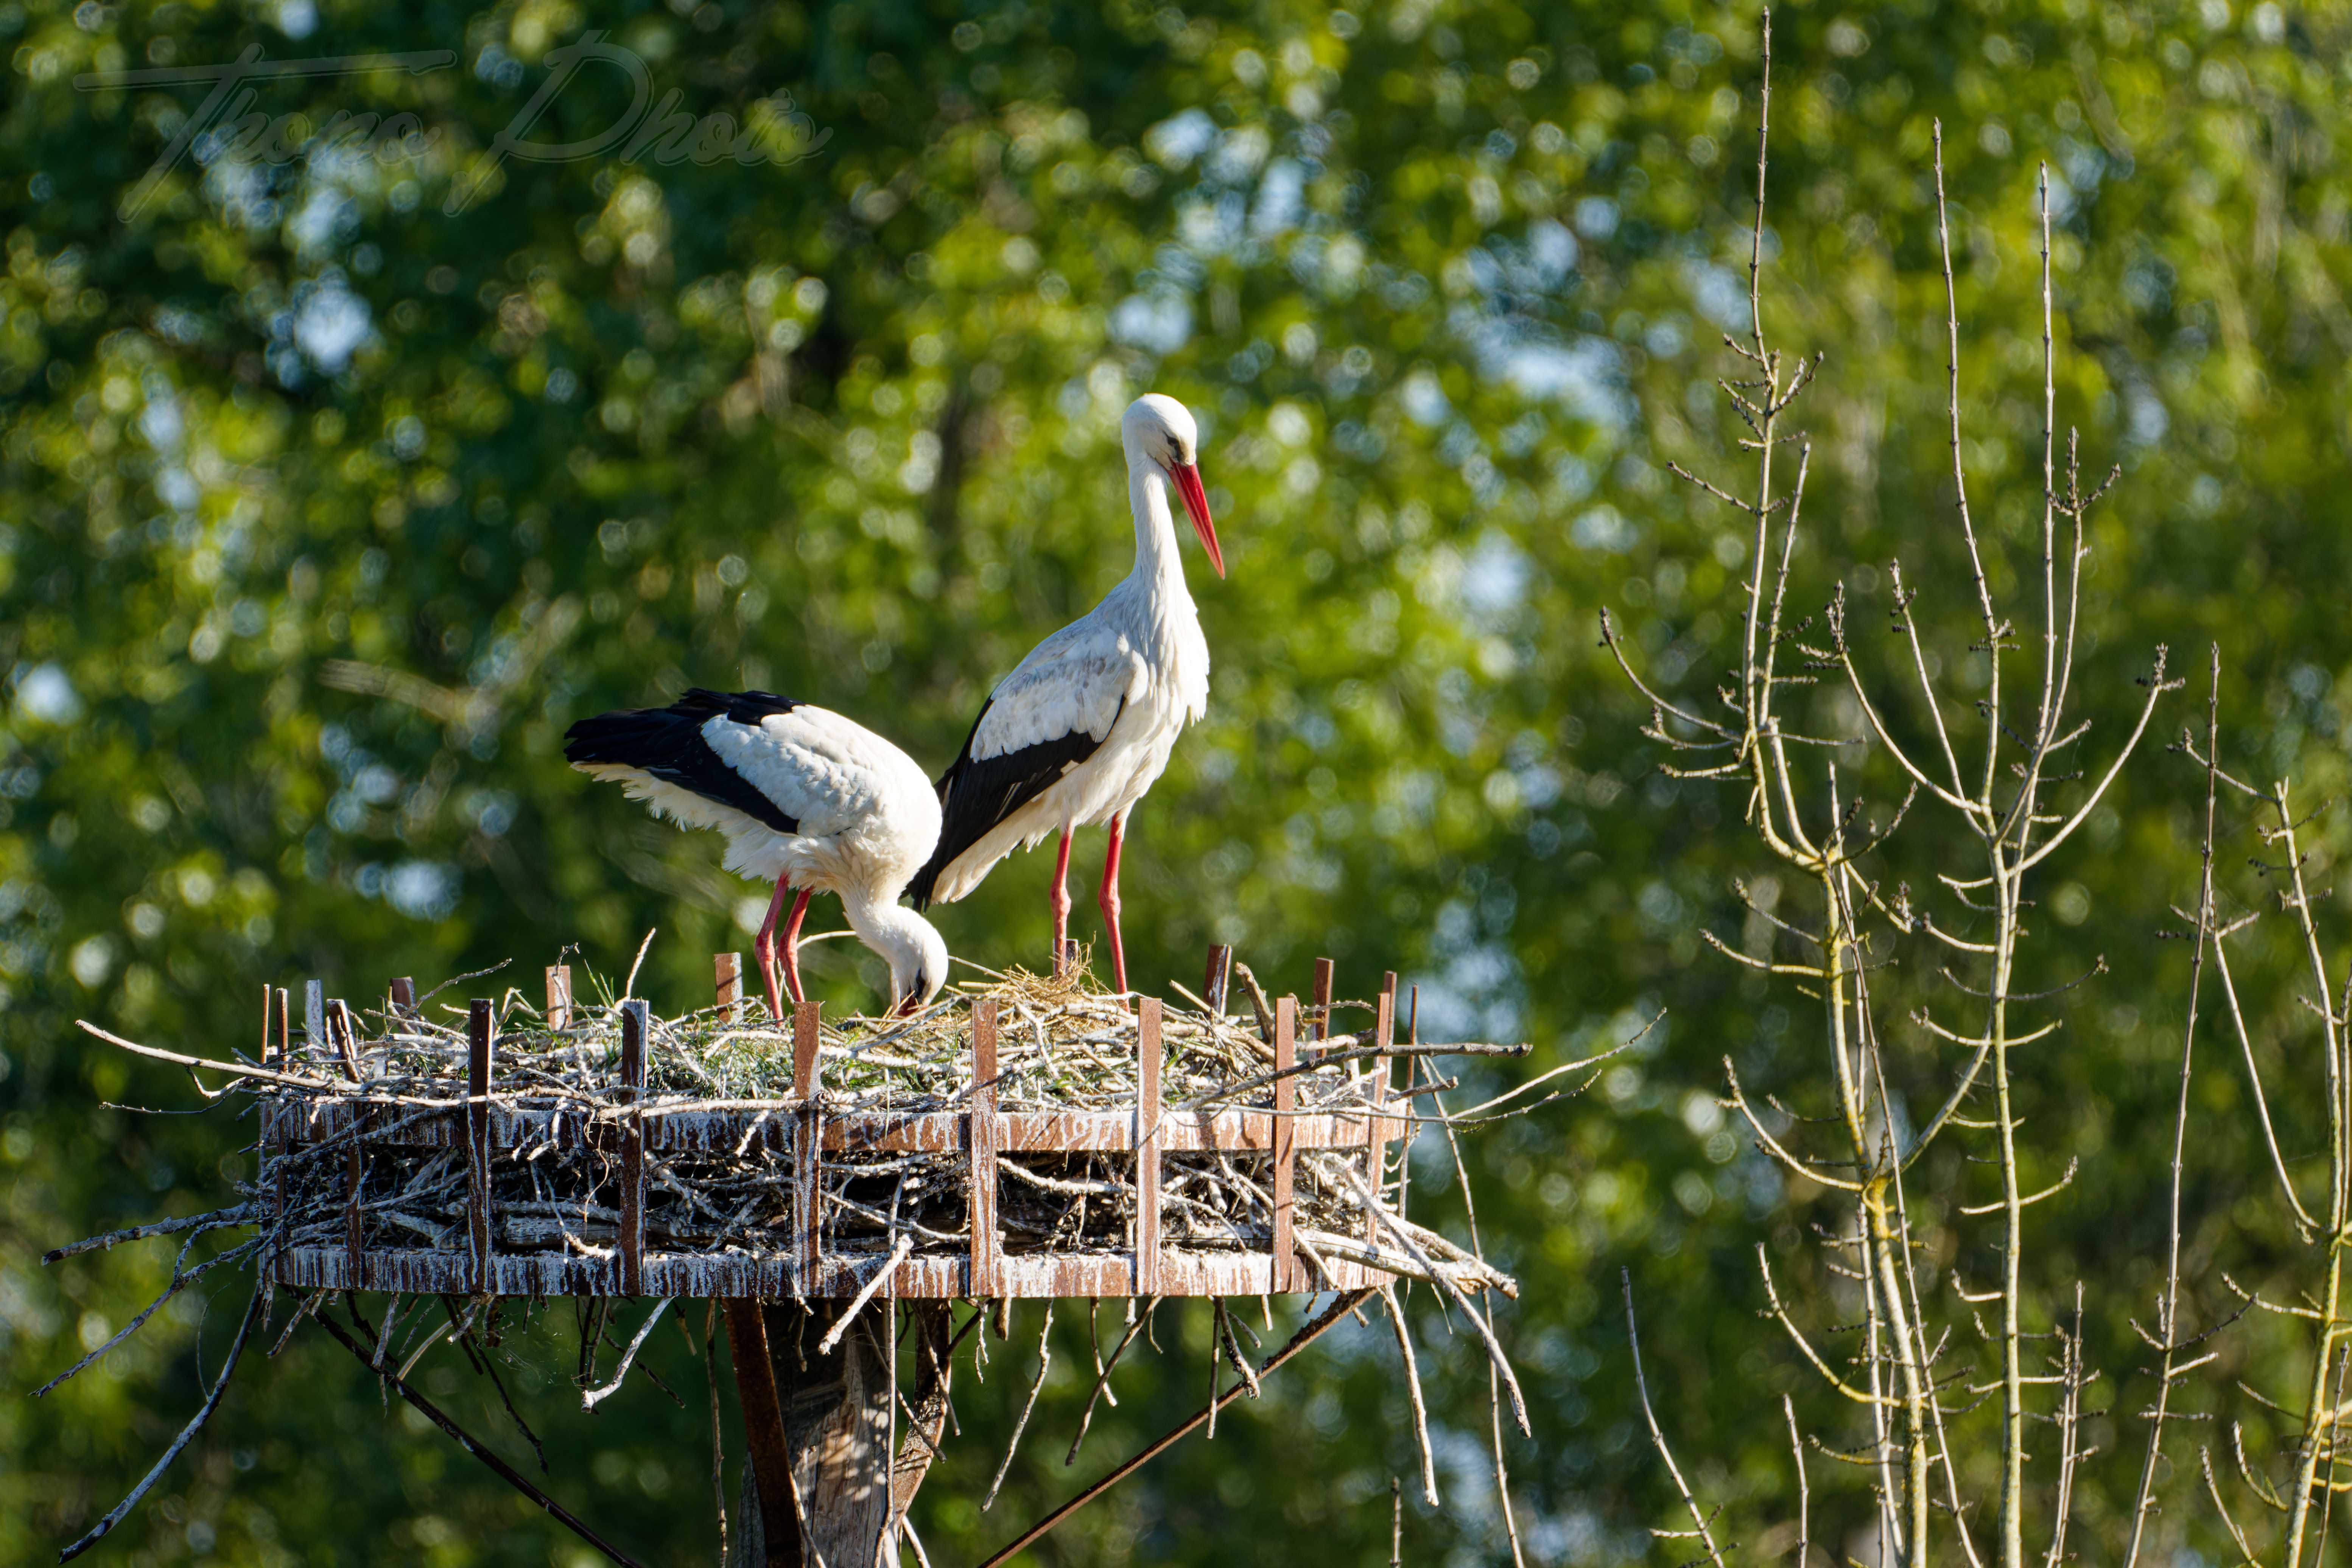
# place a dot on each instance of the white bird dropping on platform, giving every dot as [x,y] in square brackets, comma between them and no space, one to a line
[1083,726]
[806,798]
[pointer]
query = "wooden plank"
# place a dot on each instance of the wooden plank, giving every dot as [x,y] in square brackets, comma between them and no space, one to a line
[1219,976]
[314,1019]
[1323,973]
[926,1277]
[1286,1142]
[727,968]
[404,998]
[808,1143]
[635,1021]
[1147,1146]
[339,1029]
[477,1139]
[559,996]
[1376,1125]
[987,1246]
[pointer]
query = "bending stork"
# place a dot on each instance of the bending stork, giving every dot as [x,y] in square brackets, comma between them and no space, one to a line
[1083,725]
[807,800]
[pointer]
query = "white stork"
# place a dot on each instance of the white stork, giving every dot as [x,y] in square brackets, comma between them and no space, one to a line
[807,800]
[1083,725]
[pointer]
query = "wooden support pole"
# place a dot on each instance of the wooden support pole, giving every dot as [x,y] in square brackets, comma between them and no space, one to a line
[634,1022]
[1323,971]
[767,1453]
[1147,1146]
[1220,975]
[831,1502]
[477,1137]
[987,1247]
[1286,1141]
[728,968]
[559,996]
[808,1159]
[404,998]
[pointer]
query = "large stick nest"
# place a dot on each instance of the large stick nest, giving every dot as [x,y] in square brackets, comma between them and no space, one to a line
[1062,1045]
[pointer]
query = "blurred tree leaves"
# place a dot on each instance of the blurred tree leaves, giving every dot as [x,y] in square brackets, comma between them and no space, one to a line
[327,510]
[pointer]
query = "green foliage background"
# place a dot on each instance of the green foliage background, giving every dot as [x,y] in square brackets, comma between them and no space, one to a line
[323,511]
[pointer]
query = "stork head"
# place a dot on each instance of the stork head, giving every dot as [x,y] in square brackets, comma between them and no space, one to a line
[916,954]
[1159,430]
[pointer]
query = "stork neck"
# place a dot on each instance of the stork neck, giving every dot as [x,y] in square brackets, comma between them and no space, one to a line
[864,909]
[1159,558]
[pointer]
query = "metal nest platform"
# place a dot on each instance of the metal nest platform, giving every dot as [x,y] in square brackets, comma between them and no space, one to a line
[1032,1139]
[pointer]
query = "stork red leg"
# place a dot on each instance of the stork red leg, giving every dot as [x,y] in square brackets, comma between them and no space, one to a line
[1060,900]
[763,951]
[792,948]
[1110,900]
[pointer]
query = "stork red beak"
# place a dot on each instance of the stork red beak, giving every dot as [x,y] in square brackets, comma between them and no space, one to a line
[1196,501]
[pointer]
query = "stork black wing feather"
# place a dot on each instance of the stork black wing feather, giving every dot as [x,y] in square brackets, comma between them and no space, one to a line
[667,743]
[977,795]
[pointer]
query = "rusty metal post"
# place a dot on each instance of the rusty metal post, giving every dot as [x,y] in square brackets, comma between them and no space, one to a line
[1284,1139]
[338,1027]
[808,1159]
[728,968]
[478,1138]
[354,1248]
[1376,1125]
[635,1021]
[1147,1146]
[280,1145]
[982,1281]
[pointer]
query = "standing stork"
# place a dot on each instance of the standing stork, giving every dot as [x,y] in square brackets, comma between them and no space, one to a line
[807,800]
[1083,725]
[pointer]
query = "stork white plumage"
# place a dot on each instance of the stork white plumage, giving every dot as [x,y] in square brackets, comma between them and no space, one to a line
[1083,726]
[806,798]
